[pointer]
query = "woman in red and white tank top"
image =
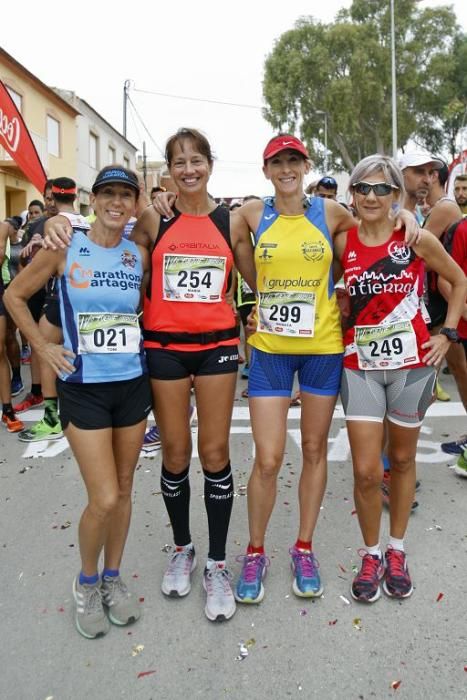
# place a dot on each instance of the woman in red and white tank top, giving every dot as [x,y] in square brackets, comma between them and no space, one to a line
[191,336]
[390,363]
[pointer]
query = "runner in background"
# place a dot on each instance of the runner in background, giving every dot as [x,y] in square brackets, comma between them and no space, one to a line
[9,418]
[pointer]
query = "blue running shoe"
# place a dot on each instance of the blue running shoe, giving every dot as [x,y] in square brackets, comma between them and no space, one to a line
[249,588]
[152,438]
[306,583]
[16,386]
[455,448]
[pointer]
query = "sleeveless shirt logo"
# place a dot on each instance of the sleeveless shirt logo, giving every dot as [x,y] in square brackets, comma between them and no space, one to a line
[313,251]
[128,258]
[399,253]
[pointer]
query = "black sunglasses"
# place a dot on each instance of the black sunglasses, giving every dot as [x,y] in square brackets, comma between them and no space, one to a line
[381,189]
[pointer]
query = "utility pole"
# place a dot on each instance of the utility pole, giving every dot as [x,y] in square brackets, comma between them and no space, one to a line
[126,87]
[145,169]
[325,114]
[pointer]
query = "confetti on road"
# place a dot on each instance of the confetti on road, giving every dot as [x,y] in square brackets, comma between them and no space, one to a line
[137,649]
[395,684]
[357,623]
[344,599]
[142,674]
[440,597]
[332,622]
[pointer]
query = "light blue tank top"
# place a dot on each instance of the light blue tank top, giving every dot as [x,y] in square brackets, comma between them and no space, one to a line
[99,299]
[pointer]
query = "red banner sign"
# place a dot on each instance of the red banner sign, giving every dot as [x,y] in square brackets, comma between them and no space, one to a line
[16,139]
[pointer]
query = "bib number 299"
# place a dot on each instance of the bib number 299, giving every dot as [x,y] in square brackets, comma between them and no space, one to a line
[285,313]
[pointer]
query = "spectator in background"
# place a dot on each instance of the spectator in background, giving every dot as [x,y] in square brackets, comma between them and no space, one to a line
[326,188]
[460,192]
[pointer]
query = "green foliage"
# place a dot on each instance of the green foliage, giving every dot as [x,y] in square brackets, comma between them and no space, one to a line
[344,69]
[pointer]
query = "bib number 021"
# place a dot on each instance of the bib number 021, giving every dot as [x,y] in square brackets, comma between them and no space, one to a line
[108,333]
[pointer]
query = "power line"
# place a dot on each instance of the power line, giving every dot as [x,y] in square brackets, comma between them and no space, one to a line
[198,99]
[145,127]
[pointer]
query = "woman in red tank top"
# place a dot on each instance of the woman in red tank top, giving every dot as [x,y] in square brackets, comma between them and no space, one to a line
[390,363]
[191,339]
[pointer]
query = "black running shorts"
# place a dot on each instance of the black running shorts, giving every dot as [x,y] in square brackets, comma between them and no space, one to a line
[95,406]
[176,364]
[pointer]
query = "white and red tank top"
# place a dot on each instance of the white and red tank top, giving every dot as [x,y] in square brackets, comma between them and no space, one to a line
[385,328]
[185,306]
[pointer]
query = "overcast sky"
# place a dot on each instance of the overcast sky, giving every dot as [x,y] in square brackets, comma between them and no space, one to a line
[204,49]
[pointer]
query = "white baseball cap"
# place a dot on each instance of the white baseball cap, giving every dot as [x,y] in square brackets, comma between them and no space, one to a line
[416,158]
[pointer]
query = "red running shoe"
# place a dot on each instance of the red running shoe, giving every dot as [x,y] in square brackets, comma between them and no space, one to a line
[397,583]
[29,401]
[366,585]
[12,424]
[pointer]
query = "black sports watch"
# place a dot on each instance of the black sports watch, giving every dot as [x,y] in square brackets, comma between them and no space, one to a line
[451,334]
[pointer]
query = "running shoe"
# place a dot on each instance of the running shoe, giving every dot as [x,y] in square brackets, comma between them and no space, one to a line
[245,394]
[246,372]
[16,386]
[461,465]
[41,431]
[306,582]
[250,587]
[12,423]
[122,605]
[152,438]
[457,447]
[441,394]
[220,601]
[386,490]
[177,578]
[30,401]
[90,618]
[26,355]
[366,584]
[397,583]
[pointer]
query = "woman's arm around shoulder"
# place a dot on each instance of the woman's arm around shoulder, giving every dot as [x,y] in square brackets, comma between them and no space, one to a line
[145,230]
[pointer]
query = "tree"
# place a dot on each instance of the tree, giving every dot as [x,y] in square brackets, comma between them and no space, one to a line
[344,69]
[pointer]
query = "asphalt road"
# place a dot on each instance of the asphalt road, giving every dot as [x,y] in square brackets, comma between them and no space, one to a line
[330,648]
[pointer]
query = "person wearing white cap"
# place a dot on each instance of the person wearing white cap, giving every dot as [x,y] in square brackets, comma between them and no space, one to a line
[417,168]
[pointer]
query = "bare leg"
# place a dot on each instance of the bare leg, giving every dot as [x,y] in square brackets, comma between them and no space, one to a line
[402,448]
[316,419]
[269,424]
[365,439]
[5,382]
[126,448]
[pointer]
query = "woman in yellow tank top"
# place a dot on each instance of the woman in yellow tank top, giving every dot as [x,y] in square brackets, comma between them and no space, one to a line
[298,331]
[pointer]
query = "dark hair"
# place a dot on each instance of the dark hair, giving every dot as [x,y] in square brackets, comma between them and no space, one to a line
[249,197]
[47,186]
[64,183]
[158,189]
[462,177]
[198,140]
[329,183]
[36,203]
[443,173]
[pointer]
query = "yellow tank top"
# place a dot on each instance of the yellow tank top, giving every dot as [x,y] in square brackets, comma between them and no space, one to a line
[297,306]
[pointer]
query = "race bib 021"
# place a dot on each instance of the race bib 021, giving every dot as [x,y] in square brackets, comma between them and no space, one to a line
[108,332]
[197,278]
[287,313]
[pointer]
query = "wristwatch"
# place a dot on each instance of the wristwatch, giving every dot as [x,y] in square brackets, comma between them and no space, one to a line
[451,334]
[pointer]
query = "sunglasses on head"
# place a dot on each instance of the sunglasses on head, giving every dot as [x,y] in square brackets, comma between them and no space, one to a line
[381,189]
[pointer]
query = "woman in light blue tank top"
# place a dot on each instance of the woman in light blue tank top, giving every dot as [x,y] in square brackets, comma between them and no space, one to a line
[103,388]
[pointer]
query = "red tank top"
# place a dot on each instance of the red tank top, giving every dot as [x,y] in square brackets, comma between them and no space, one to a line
[185,306]
[385,328]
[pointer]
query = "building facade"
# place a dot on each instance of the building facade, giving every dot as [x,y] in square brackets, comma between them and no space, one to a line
[98,145]
[51,122]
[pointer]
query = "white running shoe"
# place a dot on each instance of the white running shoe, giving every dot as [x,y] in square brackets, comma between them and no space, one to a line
[220,601]
[177,578]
